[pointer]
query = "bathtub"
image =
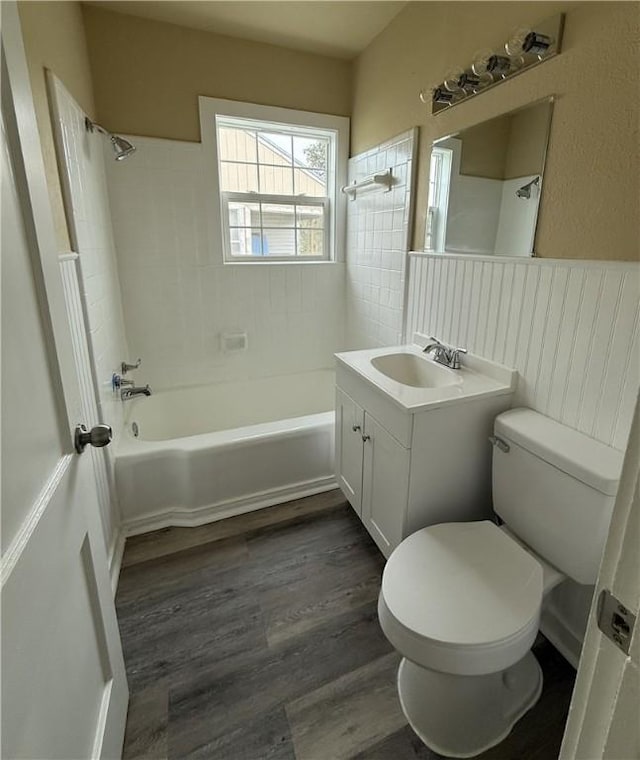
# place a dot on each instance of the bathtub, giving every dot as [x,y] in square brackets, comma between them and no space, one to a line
[208,452]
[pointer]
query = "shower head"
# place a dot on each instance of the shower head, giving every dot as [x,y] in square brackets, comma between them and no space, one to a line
[525,190]
[121,147]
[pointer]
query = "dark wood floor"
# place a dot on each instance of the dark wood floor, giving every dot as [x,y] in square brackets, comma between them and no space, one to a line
[257,638]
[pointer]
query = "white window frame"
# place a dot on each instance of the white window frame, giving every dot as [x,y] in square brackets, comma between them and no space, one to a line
[210,110]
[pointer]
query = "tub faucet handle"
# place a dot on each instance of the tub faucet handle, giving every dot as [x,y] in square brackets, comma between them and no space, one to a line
[124,367]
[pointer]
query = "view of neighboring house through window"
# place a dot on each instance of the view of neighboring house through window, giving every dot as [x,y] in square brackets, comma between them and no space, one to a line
[275,185]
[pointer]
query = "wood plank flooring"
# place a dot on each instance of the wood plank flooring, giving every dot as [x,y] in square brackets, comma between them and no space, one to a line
[257,638]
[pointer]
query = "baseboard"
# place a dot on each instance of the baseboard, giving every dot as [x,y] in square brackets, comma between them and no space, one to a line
[191,518]
[115,559]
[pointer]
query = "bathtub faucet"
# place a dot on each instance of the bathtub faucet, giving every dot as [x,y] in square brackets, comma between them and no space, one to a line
[129,393]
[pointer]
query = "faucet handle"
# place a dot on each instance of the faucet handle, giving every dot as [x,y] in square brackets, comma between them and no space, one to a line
[455,357]
[124,367]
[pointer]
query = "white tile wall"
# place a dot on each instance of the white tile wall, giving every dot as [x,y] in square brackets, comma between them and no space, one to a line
[378,228]
[570,328]
[86,194]
[178,296]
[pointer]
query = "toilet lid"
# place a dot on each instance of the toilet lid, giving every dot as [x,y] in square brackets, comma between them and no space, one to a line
[462,584]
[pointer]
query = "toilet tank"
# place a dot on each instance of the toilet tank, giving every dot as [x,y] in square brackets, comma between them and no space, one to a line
[555,489]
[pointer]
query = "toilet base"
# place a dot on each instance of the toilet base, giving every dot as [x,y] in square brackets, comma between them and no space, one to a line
[462,716]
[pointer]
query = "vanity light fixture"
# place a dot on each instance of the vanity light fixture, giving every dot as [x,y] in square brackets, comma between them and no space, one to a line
[525,48]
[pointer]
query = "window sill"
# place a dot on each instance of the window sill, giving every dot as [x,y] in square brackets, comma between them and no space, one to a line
[281,262]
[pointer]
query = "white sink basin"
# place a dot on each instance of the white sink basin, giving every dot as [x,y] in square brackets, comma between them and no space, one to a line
[416,371]
[415,382]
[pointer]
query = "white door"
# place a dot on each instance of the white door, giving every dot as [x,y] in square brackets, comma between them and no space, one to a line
[64,690]
[603,717]
[385,486]
[349,432]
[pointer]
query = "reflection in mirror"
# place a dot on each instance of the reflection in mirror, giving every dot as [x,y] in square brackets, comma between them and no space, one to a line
[485,184]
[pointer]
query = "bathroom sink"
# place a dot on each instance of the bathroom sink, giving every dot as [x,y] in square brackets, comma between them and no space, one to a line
[415,382]
[416,371]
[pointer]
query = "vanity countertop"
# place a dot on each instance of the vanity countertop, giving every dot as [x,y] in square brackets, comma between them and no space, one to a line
[476,378]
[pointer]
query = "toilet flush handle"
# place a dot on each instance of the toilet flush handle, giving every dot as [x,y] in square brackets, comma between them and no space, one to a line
[500,443]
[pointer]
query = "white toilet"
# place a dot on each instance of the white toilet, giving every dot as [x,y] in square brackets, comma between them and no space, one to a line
[461,601]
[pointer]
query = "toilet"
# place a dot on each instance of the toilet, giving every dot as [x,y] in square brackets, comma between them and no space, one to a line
[461,602]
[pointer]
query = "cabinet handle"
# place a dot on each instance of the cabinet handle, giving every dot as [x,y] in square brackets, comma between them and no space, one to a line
[355,428]
[366,438]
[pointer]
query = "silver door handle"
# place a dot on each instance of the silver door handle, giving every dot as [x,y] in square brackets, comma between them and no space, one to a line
[355,428]
[98,436]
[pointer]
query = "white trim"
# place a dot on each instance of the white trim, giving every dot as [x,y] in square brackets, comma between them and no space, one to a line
[68,256]
[530,260]
[192,518]
[115,559]
[27,529]
[210,108]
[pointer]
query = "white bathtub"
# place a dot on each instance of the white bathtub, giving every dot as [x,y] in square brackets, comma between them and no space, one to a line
[213,451]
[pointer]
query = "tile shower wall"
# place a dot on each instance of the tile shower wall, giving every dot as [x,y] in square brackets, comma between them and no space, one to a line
[570,328]
[378,225]
[179,298]
[93,286]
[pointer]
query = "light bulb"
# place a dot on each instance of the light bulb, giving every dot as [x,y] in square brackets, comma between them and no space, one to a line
[480,63]
[441,95]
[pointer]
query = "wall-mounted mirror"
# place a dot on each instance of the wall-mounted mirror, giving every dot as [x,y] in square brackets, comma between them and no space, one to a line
[485,184]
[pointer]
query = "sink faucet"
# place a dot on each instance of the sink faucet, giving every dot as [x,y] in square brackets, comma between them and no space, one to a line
[443,354]
[129,393]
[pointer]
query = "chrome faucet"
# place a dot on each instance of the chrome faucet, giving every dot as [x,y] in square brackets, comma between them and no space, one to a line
[129,393]
[443,354]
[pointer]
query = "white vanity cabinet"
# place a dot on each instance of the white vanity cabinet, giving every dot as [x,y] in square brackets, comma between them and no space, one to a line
[401,468]
[372,469]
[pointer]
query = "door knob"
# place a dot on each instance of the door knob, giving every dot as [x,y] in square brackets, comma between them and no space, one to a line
[98,436]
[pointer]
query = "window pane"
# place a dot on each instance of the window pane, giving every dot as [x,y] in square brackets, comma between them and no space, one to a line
[237,144]
[279,242]
[274,148]
[241,178]
[277,215]
[310,217]
[242,214]
[311,182]
[245,241]
[311,152]
[276,180]
[310,242]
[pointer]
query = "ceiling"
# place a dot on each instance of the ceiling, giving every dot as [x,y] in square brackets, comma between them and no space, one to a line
[338,28]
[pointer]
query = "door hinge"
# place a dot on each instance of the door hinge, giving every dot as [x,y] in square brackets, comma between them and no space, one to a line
[615,620]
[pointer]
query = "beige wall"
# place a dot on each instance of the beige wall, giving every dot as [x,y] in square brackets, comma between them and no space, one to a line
[507,147]
[147,75]
[53,34]
[484,148]
[590,203]
[528,141]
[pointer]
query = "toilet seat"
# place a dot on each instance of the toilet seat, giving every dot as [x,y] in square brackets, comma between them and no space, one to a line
[461,598]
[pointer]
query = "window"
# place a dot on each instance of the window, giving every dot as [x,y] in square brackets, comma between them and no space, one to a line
[439,182]
[278,180]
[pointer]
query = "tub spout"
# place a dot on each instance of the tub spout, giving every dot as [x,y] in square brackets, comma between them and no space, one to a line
[129,393]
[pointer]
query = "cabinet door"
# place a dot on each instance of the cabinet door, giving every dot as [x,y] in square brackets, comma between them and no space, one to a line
[385,486]
[349,431]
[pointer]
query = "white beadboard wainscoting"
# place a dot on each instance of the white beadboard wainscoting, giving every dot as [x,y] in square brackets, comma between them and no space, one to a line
[570,328]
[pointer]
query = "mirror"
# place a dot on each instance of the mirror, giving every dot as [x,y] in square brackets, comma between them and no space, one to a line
[485,184]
